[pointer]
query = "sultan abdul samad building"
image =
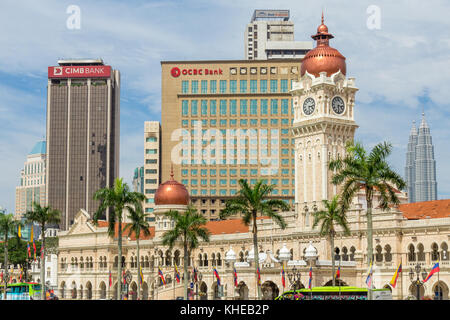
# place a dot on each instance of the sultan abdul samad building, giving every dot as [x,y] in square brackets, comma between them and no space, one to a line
[323,121]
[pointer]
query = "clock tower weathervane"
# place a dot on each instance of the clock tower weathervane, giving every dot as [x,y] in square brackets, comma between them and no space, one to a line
[323,101]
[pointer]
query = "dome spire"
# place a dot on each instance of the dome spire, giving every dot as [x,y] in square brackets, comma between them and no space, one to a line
[171,172]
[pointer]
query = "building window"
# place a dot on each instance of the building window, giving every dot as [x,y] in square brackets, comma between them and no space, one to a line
[204,107]
[233,110]
[151,139]
[243,107]
[223,86]
[284,85]
[263,86]
[213,86]
[273,85]
[264,107]
[184,108]
[243,86]
[223,107]
[233,86]
[273,106]
[194,88]
[185,86]
[212,107]
[194,107]
[204,86]
[253,86]
[151,151]
[284,106]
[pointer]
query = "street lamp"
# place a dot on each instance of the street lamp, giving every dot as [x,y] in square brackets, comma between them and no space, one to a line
[230,258]
[417,280]
[294,279]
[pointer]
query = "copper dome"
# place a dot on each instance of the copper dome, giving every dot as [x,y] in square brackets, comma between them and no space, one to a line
[323,58]
[171,192]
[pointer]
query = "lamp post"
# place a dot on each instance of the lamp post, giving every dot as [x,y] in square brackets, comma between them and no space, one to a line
[230,258]
[416,280]
[294,279]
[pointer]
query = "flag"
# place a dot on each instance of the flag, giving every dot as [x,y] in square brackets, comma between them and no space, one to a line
[433,271]
[123,277]
[283,278]
[21,273]
[259,276]
[369,276]
[161,275]
[195,275]
[1,275]
[141,275]
[310,278]
[338,273]
[217,276]
[177,274]
[110,279]
[393,281]
[34,247]
[32,234]
[235,278]
[28,250]
[19,233]
[42,252]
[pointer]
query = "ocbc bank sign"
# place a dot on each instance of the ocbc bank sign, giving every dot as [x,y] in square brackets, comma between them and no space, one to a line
[176,72]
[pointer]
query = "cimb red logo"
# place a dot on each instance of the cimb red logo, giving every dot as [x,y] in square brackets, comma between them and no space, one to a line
[176,72]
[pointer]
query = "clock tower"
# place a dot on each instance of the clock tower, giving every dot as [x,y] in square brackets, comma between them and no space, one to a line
[323,101]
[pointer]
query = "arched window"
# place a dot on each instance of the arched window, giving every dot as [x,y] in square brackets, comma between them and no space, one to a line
[124,262]
[434,252]
[292,254]
[91,263]
[352,253]
[176,257]
[241,256]
[420,253]
[132,262]
[205,260]
[444,252]
[378,254]
[100,263]
[219,260]
[200,260]
[81,263]
[344,254]
[387,253]
[116,262]
[213,259]
[411,253]
[168,258]
[105,264]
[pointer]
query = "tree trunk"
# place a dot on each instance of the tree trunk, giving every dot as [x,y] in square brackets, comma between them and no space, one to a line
[185,270]
[119,265]
[5,268]
[43,290]
[139,270]
[369,236]
[255,250]
[333,275]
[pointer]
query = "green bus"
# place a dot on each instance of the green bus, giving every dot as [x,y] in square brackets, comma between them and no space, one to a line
[335,293]
[21,291]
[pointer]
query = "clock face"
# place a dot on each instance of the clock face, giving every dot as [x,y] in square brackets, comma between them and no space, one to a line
[338,105]
[308,106]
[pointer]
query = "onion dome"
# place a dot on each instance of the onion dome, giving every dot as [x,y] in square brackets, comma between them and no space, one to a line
[284,254]
[171,192]
[323,58]
[310,252]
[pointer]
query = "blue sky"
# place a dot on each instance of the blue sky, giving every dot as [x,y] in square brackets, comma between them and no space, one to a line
[399,69]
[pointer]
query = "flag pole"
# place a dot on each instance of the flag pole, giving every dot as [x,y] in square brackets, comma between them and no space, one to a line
[439,285]
[401,279]
[339,278]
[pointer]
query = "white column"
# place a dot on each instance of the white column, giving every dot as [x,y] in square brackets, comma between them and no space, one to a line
[324,170]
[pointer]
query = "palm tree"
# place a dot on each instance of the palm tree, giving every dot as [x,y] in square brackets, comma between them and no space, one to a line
[251,201]
[138,223]
[7,227]
[189,226]
[43,216]
[116,198]
[334,214]
[372,173]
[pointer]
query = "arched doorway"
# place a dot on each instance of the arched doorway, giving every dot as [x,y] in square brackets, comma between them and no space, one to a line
[115,292]
[102,290]
[413,290]
[74,290]
[63,289]
[132,294]
[269,290]
[440,291]
[338,282]
[81,292]
[144,291]
[88,290]
[242,291]
[203,291]
[215,289]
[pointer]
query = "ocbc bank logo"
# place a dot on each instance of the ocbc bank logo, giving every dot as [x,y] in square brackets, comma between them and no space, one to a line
[175,72]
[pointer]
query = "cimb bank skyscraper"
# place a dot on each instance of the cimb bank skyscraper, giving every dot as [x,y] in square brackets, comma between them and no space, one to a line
[83,104]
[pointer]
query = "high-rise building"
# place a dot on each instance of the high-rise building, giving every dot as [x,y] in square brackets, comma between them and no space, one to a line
[82,134]
[420,165]
[32,186]
[152,164]
[410,169]
[270,35]
[226,120]
[138,180]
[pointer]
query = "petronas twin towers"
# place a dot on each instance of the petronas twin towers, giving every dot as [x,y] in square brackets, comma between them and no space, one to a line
[420,167]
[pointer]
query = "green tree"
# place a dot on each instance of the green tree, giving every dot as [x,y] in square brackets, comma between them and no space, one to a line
[7,227]
[43,216]
[116,198]
[332,215]
[137,225]
[253,201]
[189,226]
[371,173]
